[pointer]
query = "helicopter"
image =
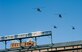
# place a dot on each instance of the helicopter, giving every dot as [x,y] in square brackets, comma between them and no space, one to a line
[55,26]
[73,27]
[60,15]
[38,9]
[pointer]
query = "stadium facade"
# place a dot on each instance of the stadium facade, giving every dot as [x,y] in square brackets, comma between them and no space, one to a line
[73,46]
[32,46]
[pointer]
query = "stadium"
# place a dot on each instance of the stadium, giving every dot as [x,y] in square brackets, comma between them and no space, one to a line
[32,46]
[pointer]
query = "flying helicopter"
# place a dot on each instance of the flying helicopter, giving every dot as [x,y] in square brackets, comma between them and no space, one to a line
[38,9]
[59,15]
[73,27]
[55,26]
